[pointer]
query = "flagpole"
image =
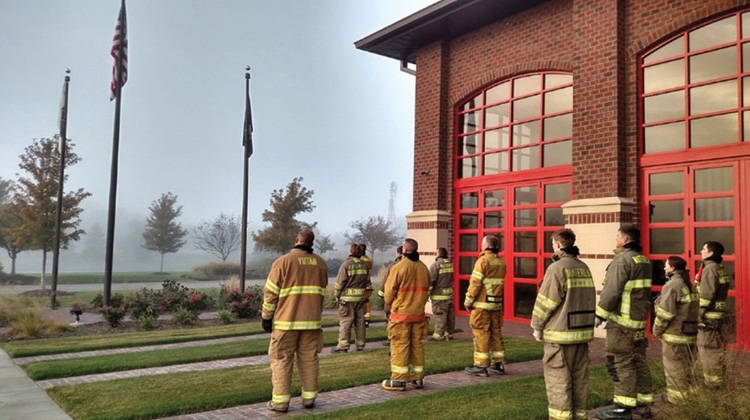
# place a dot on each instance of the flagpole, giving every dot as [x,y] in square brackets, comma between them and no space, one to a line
[246,158]
[58,216]
[113,172]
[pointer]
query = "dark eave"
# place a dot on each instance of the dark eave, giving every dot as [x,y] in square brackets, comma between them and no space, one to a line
[446,19]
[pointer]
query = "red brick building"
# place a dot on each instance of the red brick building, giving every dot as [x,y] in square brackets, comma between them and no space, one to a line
[532,115]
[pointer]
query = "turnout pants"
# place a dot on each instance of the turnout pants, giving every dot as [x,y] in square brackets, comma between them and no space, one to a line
[352,314]
[285,345]
[445,319]
[678,367]
[626,362]
[712,354]
[368,310]
[488,338]
[407,349]
[567,378]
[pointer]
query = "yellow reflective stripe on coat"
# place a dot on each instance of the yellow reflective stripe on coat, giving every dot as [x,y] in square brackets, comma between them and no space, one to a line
[296,325]
[663,313]
[560,414]
[539,312]
[626,401]
[488,281]
[646,398]
[477,274]
[568,336]
[689,297]
[445,270]
[487,306]
[355,271]
[705,302]
[575,282]
[280,399]
[303,290]
[678,339]
[441,297]
[353,298]
[272,287]
[270,307]
[546,302]
[627,322]
[381,293]
[309,395]
[399,369]
[714,315]
[602,313]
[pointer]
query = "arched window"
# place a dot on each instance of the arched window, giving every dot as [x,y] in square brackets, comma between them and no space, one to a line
[525,122]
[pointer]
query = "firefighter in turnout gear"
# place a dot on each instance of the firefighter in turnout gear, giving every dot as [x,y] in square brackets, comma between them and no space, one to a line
[563,318]
[383,279]
[624,304]
[485,300]
[676,324]
[292,308]
[713,288]
[406,295]
[441,295]
[351,285]
[368,293]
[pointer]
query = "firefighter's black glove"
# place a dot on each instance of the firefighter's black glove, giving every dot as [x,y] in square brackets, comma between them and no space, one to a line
[267,325]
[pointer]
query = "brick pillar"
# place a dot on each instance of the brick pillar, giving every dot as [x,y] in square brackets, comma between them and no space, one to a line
[430,222]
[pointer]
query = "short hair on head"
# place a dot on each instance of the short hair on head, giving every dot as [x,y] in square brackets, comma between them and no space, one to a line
[716,247]
[442,252]
[355,250]
[410,245]
[632,232]
[399,250]
[492,241]
[306,237]
[364,247]
[566,237]
[677,263]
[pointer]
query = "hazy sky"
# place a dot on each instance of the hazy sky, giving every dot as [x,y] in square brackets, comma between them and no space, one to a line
[339,117]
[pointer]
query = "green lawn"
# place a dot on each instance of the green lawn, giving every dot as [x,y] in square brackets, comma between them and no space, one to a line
[128,361]
[89,278]
[519,399]
[164,395]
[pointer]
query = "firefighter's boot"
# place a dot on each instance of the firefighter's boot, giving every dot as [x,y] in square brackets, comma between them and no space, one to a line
[643,411]
[418,383]
[280,407]
[394,385]
[308,403]
[617,413]
[498,368]
[477,371]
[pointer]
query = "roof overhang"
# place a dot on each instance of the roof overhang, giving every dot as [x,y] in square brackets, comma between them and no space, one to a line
[446,19]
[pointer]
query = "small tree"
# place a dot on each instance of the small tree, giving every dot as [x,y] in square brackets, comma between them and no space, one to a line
[376,232]
[162,233]
[34,201]
[323,244]
[285,206]
[8,221]
[219,237]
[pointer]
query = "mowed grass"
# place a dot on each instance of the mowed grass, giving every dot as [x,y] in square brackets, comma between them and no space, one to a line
[165,395]
[94,278]
[26,348]
[128,361]
[519,399]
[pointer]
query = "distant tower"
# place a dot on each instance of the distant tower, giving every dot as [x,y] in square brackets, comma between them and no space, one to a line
[391,207]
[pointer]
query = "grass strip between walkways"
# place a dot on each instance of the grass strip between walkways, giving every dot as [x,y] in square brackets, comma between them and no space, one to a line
[43,346]
[517,399]
[190,392]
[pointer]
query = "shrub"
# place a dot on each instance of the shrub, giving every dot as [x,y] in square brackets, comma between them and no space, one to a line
[112,314]
[28,323]
[226,316]
[147,322]
[184,316]
[116,300]
[244,304]
[334,264]
[330,302]
[258,269]
[143,303]
[197,301]
[173,295]
[218,269]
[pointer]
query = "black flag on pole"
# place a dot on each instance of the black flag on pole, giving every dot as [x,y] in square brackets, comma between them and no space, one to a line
[247,133]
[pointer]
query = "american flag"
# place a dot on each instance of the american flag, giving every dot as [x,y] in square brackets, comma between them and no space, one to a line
[121,35]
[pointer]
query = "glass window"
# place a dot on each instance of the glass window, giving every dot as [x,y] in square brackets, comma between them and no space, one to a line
[668,50]
[494,198]
[711,131]
[526,158]
[560,153]
[468,243]
[725,235]
[553,216]
[469,221]
[467,145]
[468,167]
[666,183]
[714,179]
[524,241]
[557,193]
[498,93]
[526,108]
[558,127]
[466,265]
[713,65]
[497,115]
[745,25]
[714,209]
[463,287]
[559,100]
[527,84]
[525,217]
[526,133]
[524,296]
[666,106]
[496,139]
[471,121]
[470,200]
[746,57]
[494,219]
[554,80]
[524,268]
[472,103]
[548,241]
[667,211]
[664,76]
[714,97]
[659,277]
[746,126]
[667,241]
[525,195]
[716,33]
[496,163]
[665,138]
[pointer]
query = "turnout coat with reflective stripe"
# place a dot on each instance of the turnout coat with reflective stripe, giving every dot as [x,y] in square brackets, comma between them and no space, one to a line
[406,290]
[713,289]
[626,294]
[441,279]
[486,283]
[383,280]
[676,311]
[564,308]
[353,280]
[294,292]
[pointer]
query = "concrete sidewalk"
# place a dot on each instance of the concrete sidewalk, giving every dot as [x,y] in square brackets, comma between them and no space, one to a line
[21,398]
